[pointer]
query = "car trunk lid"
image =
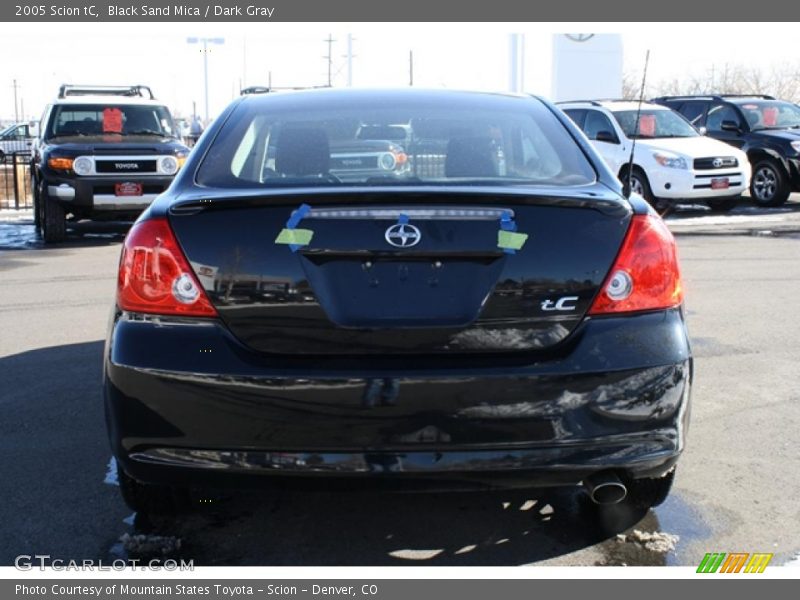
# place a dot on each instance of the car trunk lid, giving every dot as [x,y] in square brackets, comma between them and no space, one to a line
[406,271]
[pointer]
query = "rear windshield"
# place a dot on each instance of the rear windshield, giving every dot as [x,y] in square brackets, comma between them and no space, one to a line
[385,142]
[100,119]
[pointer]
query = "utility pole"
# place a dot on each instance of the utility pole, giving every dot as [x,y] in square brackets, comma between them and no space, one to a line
[243,80]
[410,67]
[329,56]
[16,108]
[516,62]
[205,42]
[349,57]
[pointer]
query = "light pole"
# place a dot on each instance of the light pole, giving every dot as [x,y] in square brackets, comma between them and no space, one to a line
[205,41]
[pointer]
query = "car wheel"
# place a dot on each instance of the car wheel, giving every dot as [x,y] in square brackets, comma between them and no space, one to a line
[723,204]
[151,499]
[649,491]
[641,185]
[54,220]
[769,185]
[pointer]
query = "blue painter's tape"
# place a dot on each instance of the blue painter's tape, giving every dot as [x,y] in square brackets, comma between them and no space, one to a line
[297,216]
[294,221]
[507,223]
[402,219]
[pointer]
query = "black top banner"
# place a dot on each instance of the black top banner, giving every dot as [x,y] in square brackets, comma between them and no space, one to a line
[576,11]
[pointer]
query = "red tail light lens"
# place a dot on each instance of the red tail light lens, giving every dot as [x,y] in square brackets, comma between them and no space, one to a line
[155,277]
[645,275]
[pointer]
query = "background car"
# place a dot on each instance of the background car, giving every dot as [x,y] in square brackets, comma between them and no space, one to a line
[16,138]
[510,320]
[766,129]
[103,153]
[672,162]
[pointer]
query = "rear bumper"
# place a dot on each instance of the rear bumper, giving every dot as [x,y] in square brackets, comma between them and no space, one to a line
[186,402]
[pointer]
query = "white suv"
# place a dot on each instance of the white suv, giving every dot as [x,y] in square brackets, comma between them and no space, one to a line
[672,161]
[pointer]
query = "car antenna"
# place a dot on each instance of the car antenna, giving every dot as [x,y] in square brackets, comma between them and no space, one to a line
[626,186]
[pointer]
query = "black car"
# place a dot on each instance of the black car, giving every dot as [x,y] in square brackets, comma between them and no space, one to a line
[511,320]
[104,153]
[768,130]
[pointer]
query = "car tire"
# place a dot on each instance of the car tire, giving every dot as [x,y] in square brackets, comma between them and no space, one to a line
[53,218]
[769,185]
[152,499]
[723,204]
[641,185]
[649,492]
[37,215]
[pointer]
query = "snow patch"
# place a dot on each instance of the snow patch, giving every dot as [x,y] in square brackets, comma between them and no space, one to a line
[794,562]
[655,541]
[727,220]
[150,545]
[111,472]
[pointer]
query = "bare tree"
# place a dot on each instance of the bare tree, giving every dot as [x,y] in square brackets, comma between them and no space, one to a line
[781,81]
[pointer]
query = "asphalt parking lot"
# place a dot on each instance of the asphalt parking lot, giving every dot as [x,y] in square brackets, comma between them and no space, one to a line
[736,486]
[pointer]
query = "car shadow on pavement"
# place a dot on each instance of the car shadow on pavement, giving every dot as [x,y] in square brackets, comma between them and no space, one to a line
[378,528]
[21,235]
[57,470]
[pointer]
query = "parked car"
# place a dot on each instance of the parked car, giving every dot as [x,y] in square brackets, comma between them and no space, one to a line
[103,153]
[766,129]
[672,162]
[503,322]
[15,138]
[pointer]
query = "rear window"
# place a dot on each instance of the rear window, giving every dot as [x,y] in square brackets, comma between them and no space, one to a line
[384,141]
[102,119]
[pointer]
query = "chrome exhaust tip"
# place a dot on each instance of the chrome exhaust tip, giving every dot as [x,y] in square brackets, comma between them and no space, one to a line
[605,488]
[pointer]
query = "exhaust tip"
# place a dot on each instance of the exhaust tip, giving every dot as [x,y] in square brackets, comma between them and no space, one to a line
[605,488]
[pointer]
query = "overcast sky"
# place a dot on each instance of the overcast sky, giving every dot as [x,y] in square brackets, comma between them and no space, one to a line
[44,55]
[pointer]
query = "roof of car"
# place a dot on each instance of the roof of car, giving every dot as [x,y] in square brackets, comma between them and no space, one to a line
[107,99]
[612,104]
[328,96]
[734,98]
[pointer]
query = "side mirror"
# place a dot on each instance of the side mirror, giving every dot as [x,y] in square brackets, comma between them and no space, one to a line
[702,130]
[730,126]
[606,136]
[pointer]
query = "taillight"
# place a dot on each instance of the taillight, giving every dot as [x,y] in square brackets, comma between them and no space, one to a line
[155,277]
[645,275]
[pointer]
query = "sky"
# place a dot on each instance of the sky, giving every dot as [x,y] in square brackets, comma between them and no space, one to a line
[455,55]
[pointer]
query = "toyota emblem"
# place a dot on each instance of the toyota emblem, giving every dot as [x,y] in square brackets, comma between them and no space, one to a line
[717,163]
[403,235]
